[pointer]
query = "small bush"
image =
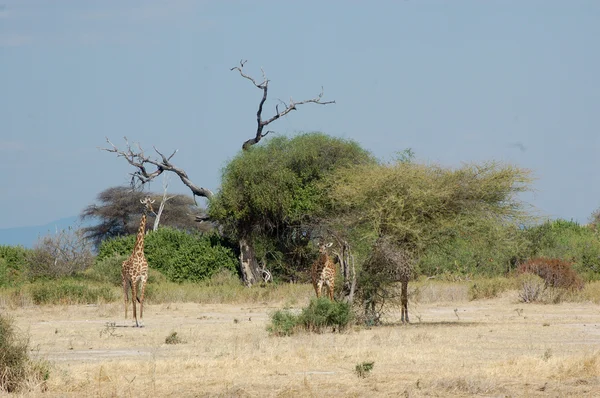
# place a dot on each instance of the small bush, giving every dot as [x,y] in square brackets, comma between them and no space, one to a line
[15,256]
[283,323]
[16,368]
[13,261]
[173,338]
[321,314]
[363,369]
[69,292]
[555,272]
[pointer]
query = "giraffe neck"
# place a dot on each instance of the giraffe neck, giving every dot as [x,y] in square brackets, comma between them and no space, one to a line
[139,241]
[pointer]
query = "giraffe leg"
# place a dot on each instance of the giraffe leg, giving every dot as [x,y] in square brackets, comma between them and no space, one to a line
[126,294]
[316,288]
[330,290]
[133,299]
[404,300]
[319,288]
[141,300]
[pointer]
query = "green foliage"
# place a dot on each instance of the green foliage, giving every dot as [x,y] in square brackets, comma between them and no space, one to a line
[569,241]
[16,368]
[106,270]
[15,256]
[120,246]
[320,315]
[69,291]
[363,369]
[421,205]
[273,193]
[179,255]
[495,250]
[283,323]
[13,263]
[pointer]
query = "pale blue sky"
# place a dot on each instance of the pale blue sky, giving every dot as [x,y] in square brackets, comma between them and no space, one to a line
[456,81]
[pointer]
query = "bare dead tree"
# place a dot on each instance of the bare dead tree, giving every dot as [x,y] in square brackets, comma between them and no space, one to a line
[138,159]
[163,202]
[291,106]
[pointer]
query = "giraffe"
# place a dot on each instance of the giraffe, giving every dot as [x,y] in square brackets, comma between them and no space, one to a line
[323,271]
[135,269]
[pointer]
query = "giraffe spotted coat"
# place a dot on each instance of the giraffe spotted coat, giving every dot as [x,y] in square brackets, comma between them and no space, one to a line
[134,271]
[323,272]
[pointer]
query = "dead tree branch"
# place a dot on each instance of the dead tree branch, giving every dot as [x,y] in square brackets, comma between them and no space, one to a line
[264,86]
[139,160]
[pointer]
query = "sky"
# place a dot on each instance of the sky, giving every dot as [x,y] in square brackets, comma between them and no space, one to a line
[456,81]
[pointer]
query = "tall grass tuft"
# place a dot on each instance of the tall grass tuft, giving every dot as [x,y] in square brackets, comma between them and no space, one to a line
[66,291]
[17,370]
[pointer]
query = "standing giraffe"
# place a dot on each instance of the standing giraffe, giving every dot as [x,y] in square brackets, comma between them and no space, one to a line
[135,269]
[323,271]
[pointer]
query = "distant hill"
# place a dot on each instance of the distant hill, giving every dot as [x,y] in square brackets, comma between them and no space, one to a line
[27,236]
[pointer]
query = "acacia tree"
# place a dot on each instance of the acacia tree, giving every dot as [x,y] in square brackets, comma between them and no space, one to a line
[149,167]
[404,208]
[272,198]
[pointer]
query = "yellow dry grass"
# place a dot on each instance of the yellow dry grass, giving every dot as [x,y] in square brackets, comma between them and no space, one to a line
[453,348]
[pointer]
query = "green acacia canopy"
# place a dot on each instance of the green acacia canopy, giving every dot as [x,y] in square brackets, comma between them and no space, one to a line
[271,187]
[419,204]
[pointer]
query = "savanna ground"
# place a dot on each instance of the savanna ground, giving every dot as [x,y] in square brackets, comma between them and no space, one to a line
[454,347]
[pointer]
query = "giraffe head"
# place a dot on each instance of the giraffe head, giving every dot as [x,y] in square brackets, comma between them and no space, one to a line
[324,246]
[147,202]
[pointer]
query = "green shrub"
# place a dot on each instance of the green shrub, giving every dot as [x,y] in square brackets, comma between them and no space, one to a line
[120,246]
[66,291]
[107,270]
[320,315]
[13,261]
[16,368]
[179,255]
[283,323]
[363,369]
[568,241]
[15,256]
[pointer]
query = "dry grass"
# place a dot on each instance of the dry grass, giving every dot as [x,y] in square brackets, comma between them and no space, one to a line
[457,348]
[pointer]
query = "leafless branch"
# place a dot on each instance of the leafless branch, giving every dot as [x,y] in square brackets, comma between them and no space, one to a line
[137,158]
[291,106]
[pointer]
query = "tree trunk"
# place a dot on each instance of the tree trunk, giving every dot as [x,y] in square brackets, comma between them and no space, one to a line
[349,273]
[248,265]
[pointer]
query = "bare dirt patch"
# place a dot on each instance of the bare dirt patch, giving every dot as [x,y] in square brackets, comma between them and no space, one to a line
[486,348]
